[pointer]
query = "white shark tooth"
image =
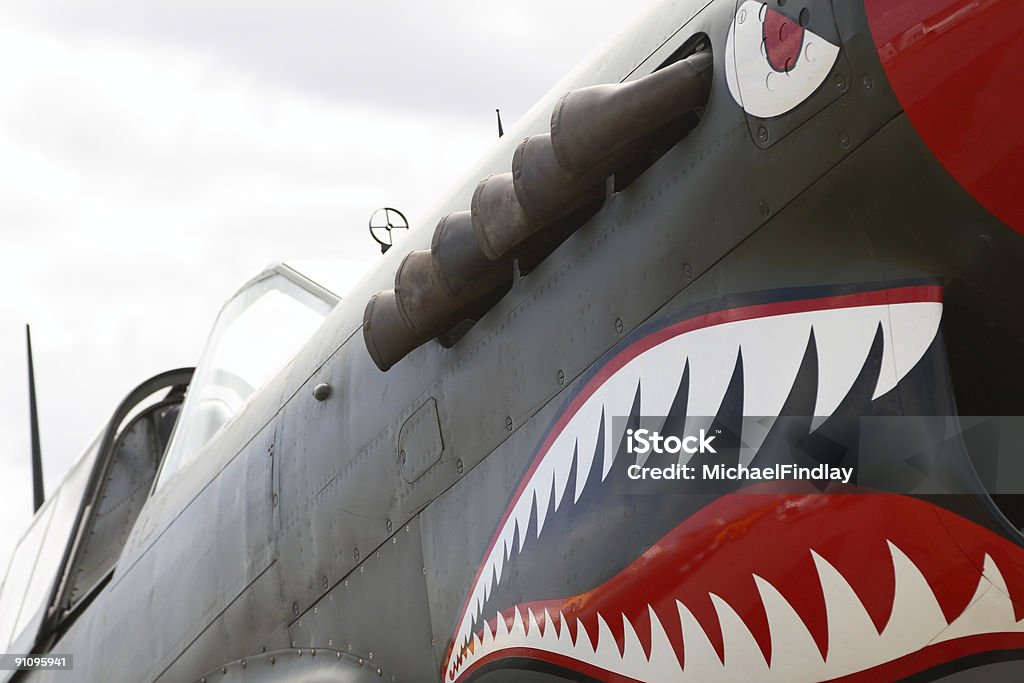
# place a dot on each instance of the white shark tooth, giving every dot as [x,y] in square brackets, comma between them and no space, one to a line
[549,626]
[564,636]
[523,512]
[587,434]
[852,637]
[488,639]
[843,338]
[542,497]
[518,631]
[769,369]
[500,630]
[533,634]
[497,565]
[990,609]
[916,616]
[606,653]
[663,664]
[910,331]
[769,372]
[794,652]
[634,659]
[619,400]
[563,467]
[744,660]
[700,659]
[506,537]
[584,647]
[712,356]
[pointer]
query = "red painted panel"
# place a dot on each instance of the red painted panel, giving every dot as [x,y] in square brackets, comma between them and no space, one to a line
[957,67]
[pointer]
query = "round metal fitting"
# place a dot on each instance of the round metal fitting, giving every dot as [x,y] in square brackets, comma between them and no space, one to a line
[459,467]
[323,582]
[762,134]
[508,423]
[321,391]
[561,378]
[618,325]
[389,526]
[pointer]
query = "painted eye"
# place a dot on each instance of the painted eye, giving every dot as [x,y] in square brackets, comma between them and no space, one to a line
[774,63]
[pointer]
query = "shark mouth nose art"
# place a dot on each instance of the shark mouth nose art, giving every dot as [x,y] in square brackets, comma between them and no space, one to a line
[908,583]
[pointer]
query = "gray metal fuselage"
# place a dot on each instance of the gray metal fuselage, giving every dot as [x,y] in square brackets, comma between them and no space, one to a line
[346,528]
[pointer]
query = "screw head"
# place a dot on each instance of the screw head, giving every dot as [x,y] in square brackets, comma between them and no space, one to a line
[868,82]
[618,325]
[508,423]
[687,270]
[762,134]
[295,609]
[355,554]
[321,391]
[459,467]
[323,582]
[389,525]
[844,140]
[561,378]
[841,82]
[764,209]
[401,457]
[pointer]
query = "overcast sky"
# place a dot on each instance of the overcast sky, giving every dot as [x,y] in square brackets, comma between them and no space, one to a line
[154,156]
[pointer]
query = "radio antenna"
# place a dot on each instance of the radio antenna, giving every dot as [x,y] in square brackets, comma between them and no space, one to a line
[33,417]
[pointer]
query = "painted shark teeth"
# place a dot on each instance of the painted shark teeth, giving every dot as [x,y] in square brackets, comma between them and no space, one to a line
[855,645]
[771,348]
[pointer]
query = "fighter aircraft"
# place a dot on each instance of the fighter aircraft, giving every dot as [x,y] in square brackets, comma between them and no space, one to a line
[789,229]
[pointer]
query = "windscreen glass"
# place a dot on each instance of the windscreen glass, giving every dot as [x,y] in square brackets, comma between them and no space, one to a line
[256,334]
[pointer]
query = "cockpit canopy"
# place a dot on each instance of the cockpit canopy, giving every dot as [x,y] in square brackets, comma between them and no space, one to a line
[258,332]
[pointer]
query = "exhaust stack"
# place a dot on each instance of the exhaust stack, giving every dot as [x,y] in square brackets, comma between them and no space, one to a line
[557,182]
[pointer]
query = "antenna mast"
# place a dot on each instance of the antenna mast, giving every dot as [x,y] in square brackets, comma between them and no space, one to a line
[33,416]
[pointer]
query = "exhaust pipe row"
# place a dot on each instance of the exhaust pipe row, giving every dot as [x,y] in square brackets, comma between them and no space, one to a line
[557,182]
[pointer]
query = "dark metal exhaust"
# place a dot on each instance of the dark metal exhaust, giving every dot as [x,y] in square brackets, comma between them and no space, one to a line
[591,128]
[458,259]
[418,309]
[510,208]
[557,183]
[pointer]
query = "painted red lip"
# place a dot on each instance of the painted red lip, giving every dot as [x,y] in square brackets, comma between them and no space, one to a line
[729,561]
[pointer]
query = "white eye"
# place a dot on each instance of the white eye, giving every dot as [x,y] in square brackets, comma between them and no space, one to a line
[773,63]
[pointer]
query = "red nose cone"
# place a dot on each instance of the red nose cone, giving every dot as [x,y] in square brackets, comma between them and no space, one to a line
[957,67]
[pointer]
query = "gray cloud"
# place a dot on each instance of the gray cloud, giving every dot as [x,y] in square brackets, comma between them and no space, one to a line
[154,156]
